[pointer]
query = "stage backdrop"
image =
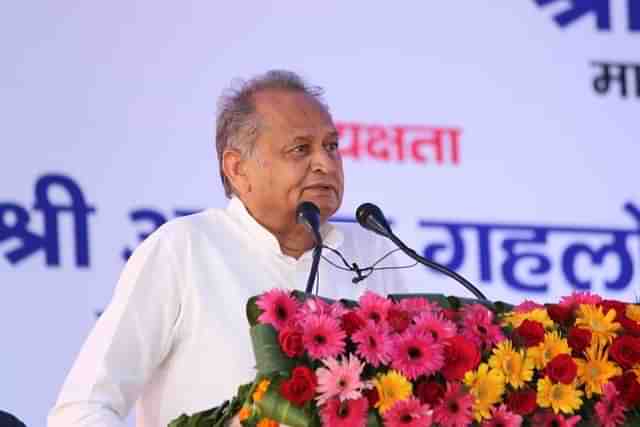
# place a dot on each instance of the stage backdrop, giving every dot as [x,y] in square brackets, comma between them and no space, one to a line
[502,140]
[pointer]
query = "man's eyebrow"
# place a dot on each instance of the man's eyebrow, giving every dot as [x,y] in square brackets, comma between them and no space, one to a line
[306,137]
[333,134]
[303,138]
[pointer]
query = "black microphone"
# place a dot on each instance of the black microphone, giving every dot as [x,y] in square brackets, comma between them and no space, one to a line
[308,214]
[370,216]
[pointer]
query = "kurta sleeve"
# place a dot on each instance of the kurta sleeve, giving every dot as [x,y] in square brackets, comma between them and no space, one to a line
[127,343]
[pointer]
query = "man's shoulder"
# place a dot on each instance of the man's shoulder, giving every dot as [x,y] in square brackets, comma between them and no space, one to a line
[186,227]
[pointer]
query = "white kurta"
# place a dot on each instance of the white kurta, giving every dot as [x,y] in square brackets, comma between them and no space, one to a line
[175,338]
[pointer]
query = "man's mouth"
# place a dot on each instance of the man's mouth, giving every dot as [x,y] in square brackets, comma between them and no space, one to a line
[320,187]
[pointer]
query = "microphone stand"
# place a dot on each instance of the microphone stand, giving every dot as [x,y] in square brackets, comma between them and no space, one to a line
[308,214]
[434,265]
[371,217]
[313,273]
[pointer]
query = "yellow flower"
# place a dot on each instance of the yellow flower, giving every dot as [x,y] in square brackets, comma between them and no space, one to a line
[268,422]
[514,366]
[244,413]
[633,312]
[262,388]
[487,387]
[561,397]
[538,314]
[603,328]
[391,388]
[552,346]
[596,370]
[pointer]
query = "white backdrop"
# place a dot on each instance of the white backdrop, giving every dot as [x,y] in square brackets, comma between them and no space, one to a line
[119,98]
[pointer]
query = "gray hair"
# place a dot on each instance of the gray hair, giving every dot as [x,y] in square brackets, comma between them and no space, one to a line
[238,124]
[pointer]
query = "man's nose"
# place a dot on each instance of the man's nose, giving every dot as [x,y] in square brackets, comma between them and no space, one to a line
[324,161]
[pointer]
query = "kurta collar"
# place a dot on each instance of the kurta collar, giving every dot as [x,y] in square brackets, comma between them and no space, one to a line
[331,235]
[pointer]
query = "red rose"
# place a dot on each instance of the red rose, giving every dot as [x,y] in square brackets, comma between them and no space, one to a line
[628,387]
[547,418]
[301,387]
[429,392]
[560,313]
[618,306]
[398,319]
[579,339]
[372,396]
[561,369]
[460,355]
[352,322]
[522,402]
[531,332]
[625,350]
[630,326]
[290,340]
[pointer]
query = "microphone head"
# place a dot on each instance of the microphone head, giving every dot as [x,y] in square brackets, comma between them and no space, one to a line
[371,217]
[308,213]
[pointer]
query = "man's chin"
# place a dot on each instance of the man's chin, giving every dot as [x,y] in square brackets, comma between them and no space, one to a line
[327,210]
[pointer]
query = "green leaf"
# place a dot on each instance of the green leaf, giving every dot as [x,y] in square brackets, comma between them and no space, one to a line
[181,421]
[455,302]
[253,311]
[274,406]
[266,349]
[373,419]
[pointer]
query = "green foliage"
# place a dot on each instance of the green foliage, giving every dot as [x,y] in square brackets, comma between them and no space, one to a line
[269,356]
[214,417]
[274,406]
[253,311]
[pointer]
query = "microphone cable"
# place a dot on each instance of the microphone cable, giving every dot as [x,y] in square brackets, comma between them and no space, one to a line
[353,267]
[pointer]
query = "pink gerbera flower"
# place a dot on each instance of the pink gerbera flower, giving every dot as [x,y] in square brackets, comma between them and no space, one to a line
[408,413]
[278,308]
[374,307]
[502,417]
[576,298]
[373,343]
[348,413]
[526,306]
[416,306]
[340,378]
[415,354]
[610,409]
[478,326]
[434,324]
[456,407]
[322,336]
[317,305]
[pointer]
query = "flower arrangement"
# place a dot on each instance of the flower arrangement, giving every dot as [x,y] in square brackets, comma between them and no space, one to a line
[412,361]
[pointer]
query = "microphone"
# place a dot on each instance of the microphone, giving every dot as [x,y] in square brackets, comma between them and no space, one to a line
[307,213]
[370,217]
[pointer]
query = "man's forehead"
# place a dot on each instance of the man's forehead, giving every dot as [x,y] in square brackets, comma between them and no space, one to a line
[297,110]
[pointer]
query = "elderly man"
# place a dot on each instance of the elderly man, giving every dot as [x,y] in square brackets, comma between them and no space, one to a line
[174,338]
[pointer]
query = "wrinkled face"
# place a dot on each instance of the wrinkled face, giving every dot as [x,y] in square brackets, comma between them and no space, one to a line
[295,159]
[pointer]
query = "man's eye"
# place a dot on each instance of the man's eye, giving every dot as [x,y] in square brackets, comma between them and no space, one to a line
[299,149]
[332,146]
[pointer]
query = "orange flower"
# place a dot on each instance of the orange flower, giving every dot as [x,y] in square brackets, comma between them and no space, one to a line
[245,412]
[260,390]
[267,422]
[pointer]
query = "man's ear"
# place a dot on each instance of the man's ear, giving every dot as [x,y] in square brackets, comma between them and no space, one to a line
[233,166]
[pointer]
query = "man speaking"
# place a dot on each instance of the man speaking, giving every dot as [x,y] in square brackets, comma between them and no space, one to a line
[174,339]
